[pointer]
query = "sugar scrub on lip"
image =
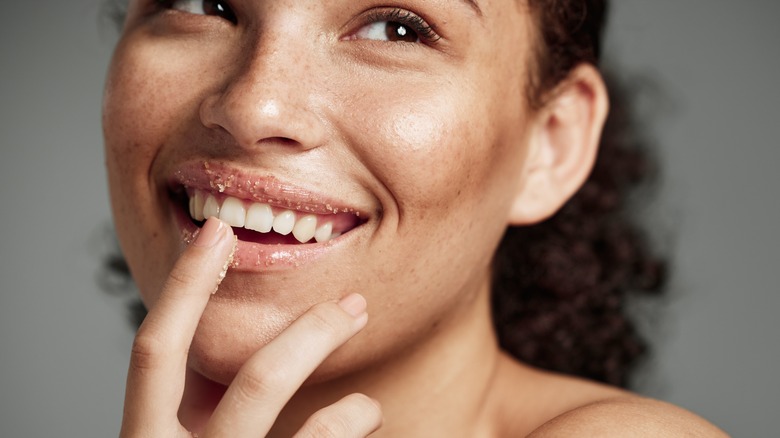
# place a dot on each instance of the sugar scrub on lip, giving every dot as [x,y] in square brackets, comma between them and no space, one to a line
[221,179]
[278,225]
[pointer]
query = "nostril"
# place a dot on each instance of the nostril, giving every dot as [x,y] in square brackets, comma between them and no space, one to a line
[282,141]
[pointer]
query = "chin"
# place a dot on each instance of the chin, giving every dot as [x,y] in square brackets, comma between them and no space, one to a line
[231,330]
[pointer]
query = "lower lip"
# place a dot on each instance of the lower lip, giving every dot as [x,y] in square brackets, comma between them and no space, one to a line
[256,257]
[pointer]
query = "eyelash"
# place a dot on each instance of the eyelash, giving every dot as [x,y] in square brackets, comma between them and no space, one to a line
[424,31]
[229,14]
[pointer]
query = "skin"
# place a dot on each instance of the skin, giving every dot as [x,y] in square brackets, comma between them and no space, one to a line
[434,139]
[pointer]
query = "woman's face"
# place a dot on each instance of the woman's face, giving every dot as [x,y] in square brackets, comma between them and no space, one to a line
[402,126]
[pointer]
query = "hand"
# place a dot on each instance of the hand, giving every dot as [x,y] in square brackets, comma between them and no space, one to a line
[263,385]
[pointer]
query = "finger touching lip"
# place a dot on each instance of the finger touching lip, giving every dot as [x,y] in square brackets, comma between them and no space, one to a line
[278,225]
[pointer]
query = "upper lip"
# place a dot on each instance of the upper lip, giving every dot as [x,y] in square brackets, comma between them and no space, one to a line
[219,177]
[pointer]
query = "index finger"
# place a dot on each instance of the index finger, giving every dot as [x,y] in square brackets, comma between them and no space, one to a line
[155,380]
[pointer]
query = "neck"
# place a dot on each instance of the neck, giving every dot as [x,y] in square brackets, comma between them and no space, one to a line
[437,388]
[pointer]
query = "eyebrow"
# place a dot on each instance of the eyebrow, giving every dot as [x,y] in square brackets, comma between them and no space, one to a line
[473,4]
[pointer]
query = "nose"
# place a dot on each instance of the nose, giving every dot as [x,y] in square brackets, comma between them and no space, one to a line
[269,101]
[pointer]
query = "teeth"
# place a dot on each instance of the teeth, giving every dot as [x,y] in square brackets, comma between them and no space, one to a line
[196,206]
[284,223]
[211,207]
[323,233]
[233,212]
[304,228]
[259,217]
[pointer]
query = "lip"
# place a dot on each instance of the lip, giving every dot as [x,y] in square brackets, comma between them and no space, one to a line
[231,181]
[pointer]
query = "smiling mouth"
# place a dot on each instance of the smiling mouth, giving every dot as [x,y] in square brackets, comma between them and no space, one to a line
[265,223]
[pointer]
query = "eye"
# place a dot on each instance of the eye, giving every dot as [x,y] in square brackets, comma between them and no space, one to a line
[218,8]
[396,25]
[388,31]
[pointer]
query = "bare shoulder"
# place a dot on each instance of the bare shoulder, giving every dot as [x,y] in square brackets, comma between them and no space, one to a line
[556,405]
[628,416]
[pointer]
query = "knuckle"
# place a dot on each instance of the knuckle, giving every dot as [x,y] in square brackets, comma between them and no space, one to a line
[324,319]
[323,425]
[147,352]
[355,414]
[253,386]
[180,277]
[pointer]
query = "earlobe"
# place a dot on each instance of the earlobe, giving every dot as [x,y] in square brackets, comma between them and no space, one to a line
[562,146]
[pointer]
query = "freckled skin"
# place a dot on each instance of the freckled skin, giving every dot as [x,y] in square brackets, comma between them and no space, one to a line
[432,142]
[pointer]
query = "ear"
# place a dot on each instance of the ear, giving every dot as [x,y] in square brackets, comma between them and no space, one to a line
[563,144]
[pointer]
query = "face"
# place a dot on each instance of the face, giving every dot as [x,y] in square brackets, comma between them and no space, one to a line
[396,136]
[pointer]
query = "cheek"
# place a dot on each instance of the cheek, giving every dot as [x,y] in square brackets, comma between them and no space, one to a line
[419,150]
[444,152]
[131,123]
[139,106]
[445,158]
[143,99]
[423,153]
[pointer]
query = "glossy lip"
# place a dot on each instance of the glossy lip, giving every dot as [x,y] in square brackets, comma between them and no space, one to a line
[251,256]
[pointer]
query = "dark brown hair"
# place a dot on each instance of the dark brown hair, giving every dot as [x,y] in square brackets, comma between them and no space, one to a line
[568,33]
[560,287]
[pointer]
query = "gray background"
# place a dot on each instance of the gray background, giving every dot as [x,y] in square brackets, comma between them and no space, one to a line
[709,70]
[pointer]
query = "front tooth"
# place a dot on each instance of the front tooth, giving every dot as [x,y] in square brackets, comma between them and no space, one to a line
[233,212]
[323,232]
[259,218]
[196,205]
[284,222]
[304,228]
[211,207]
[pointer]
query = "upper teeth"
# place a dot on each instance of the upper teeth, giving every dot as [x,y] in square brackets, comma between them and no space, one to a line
[260,217]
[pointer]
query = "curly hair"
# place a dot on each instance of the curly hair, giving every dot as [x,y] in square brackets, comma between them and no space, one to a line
[560,287]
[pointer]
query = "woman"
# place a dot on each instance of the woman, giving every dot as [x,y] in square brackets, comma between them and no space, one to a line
[281,170]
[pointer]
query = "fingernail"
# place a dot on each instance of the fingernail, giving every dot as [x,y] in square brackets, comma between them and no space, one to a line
[354,304]
[210,234]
